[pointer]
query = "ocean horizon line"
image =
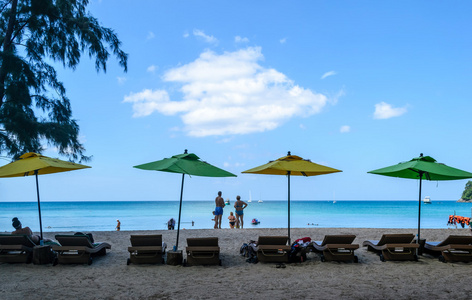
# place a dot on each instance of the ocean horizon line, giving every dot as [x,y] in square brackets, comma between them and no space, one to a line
[255,201]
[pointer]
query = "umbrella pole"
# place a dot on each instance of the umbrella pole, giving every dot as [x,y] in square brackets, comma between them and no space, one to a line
[419,210]
[180,211]
[289,242]
[39,206]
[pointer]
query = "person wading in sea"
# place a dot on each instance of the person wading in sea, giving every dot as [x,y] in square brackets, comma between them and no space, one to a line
[219,203]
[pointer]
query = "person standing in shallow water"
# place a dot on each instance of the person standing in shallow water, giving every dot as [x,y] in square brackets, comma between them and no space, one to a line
[239,206]
[219,203]
[232,219]
[118,225]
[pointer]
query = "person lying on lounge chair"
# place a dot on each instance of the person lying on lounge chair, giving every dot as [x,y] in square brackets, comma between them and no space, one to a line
[19,229]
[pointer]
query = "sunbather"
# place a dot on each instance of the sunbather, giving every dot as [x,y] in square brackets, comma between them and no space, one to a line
[19,229]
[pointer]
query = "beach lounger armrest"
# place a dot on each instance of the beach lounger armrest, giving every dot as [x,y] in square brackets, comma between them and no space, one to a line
[268,250]
[203,249]
[208,252]
[15,248]
[336,246]
[406,245]
[274,247]
[145,248]
[344,246]
[71,248]
[451,247]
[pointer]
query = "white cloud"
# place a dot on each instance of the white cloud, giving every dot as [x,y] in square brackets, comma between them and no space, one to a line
[121,80]
[152,68]
[186,35]
[147,101]
[302,126]
[283,41]
[207,38]
[229,93]
[386,111]
[239,39]
[327,74]
[345,129]
[150,35]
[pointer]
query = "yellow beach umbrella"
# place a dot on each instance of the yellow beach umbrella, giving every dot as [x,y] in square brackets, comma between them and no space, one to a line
[291,165]
[36,164]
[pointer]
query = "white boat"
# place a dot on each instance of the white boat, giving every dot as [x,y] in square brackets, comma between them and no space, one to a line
[227,202]
[260,201]
[250,198]
[427,200]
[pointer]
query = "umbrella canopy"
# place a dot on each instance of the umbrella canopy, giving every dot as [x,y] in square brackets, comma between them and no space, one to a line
[186,163]
[36,164]
[422,167]
[291,165]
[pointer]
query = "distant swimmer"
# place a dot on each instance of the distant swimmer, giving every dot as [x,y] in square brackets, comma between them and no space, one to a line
[118,225]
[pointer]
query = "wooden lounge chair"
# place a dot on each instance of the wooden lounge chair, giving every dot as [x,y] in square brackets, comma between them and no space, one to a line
[77,249]
[336,247]
[202,251]
[16,249]
[273,249]
[453,248]
[394,247]
[145,249]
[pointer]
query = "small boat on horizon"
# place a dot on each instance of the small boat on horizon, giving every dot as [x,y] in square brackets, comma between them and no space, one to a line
[250,198]
[227,202]
[427,200]
[260,201]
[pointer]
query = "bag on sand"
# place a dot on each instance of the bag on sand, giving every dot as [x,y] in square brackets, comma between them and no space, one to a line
[250,251]
[297,253]
[43,255]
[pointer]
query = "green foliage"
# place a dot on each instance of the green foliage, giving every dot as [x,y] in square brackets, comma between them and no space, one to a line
[467,193]
[34,108]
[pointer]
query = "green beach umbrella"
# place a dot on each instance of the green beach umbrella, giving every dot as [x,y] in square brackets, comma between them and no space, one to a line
[422,167]
[291,165]
[186,163]
[36,164]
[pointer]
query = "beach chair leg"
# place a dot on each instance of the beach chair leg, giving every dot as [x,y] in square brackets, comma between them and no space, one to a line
[382,258]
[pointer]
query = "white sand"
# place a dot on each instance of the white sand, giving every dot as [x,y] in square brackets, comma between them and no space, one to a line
[110,278]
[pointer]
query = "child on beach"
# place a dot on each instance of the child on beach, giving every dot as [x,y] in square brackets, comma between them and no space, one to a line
[214,219]
[232,220]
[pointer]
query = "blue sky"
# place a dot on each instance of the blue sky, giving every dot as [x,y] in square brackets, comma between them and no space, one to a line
[354,85]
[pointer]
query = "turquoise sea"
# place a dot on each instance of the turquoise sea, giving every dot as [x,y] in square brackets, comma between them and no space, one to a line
[150,215]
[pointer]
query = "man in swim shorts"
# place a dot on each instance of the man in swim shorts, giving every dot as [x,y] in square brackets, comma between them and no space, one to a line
[219,203]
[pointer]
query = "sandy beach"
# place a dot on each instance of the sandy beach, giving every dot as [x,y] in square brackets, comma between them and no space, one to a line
[110,278]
